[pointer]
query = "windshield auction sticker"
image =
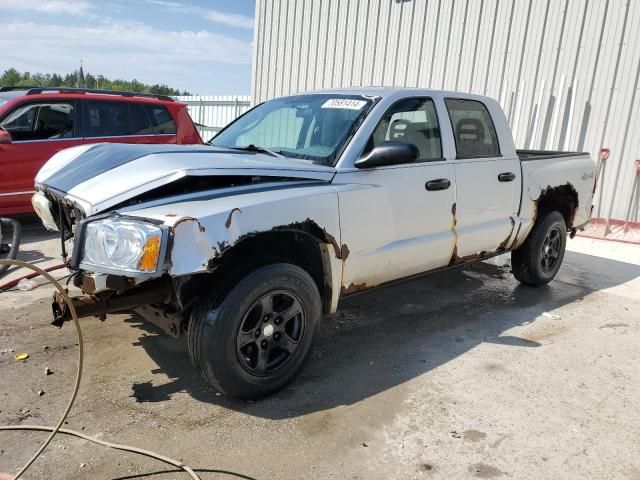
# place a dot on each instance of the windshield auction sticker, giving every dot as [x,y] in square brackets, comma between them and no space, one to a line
[346,103]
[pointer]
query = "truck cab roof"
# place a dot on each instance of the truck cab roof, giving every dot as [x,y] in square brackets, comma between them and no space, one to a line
[399,92]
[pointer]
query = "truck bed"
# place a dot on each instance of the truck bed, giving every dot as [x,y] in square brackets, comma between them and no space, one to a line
[530,155]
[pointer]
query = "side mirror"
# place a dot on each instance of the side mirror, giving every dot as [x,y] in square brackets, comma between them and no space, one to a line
[389,153]
[5,137]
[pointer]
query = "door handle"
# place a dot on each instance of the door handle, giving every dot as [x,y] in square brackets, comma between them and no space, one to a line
[506,177]
[439,184]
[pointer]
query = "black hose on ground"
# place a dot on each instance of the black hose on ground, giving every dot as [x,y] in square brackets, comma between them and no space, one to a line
[10,223]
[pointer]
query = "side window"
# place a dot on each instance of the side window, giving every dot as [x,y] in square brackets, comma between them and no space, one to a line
[473,129]
[161,119]
[107,119]
[412,120]
[140,122]
[42,121]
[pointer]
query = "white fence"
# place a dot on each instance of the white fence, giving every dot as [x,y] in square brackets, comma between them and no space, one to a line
[210,113]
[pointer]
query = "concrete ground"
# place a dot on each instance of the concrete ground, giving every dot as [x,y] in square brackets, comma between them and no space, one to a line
[464,374]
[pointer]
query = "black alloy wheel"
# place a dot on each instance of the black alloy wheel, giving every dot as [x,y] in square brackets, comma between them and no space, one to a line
[270,332]
[551,248]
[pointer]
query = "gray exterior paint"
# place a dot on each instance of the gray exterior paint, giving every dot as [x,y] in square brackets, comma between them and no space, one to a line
[566,72]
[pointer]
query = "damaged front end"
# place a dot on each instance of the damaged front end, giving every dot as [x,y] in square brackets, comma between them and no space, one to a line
[120,264]
[137,230]
[141,222]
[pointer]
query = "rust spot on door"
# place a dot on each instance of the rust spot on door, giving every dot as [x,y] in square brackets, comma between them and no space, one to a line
[454,223]
[354,288]
[505,242]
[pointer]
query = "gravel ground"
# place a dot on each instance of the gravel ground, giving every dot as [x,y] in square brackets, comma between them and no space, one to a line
[463,374]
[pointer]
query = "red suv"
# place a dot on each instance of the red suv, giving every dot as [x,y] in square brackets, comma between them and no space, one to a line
[35,123]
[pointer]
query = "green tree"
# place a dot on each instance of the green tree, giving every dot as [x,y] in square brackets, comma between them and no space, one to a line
[10,77]
[13,77]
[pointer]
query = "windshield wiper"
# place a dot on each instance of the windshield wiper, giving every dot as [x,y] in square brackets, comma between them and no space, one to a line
[253,148]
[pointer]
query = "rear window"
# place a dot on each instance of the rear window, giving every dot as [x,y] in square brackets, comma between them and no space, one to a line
[140,121]
[161,120]
[473,129]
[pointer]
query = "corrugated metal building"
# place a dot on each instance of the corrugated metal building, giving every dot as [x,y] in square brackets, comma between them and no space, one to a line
[566,72]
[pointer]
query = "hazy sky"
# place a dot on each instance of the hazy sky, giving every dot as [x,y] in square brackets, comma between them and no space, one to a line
[203,46]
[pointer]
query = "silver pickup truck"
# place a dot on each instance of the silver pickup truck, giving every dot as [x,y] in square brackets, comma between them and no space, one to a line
[245,243]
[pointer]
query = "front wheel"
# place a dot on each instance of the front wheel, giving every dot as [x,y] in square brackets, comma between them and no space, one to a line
[256,340]
[538,259]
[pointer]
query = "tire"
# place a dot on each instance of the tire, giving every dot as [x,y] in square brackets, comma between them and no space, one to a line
[538,259]
[254,341]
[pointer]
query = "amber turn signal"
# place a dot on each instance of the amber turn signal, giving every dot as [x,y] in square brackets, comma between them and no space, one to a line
[150,255]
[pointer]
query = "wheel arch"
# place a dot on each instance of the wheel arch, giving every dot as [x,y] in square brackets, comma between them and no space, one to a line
[306,247]
[562,198]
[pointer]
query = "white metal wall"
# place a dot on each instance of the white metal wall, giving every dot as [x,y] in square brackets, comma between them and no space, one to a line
[565,71]
[211,113]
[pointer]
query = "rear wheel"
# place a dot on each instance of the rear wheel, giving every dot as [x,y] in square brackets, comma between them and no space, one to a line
[538,260]
[255,340]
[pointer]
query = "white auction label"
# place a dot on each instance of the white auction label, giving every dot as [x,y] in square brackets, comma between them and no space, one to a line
[347,103]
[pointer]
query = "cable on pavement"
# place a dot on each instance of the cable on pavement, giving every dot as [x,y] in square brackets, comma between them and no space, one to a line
[57,429]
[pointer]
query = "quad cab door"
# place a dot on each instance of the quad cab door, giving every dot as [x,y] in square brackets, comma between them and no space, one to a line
[488,184]
[396,220]
[38,130]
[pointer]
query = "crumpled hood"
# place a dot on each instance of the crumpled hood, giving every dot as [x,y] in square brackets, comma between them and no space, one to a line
[99,176]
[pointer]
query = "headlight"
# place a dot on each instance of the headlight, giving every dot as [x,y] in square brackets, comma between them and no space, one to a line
[121,245]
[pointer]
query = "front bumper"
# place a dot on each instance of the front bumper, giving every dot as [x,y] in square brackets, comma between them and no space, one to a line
[151,293]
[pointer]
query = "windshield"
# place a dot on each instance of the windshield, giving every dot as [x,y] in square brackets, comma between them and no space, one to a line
[312,127]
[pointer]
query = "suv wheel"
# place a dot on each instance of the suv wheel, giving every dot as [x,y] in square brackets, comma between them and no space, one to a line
[538,259]
[257,338]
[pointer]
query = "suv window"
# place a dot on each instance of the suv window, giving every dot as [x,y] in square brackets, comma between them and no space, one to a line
[473,129]
[107,119]
[161,119]
[40,121]
[412,120]
[140,122]
[117,119]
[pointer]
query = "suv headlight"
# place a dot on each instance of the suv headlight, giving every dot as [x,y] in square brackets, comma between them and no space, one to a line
[121,245]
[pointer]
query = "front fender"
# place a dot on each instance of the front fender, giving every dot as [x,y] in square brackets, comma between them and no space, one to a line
[203,230]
